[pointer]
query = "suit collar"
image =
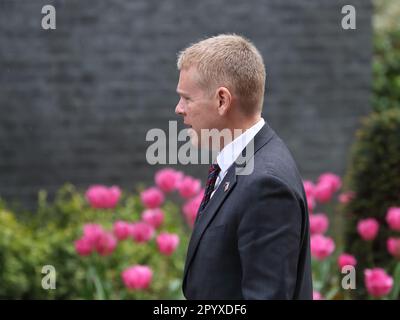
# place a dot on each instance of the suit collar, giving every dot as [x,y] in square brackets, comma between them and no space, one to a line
[263,136]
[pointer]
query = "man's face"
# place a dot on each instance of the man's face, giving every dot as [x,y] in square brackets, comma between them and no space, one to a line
[198,108]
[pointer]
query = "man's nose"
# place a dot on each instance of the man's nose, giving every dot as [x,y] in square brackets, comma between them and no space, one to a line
[179,109]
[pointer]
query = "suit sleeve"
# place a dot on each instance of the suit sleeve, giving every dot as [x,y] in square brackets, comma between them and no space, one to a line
[269,236]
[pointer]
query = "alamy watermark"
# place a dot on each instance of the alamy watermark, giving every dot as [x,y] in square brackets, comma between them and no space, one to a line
[349,20]
[49,280]
[197,147]
[49,20]
[349,280]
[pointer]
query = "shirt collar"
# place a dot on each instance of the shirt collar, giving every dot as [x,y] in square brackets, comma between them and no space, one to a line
[232,150]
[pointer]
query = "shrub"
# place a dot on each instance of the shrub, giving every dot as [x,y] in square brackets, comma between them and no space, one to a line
[374,177]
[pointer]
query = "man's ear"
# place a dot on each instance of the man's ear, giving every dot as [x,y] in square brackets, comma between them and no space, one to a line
[224,100]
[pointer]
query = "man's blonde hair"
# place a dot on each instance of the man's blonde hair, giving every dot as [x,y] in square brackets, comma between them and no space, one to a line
[231,61]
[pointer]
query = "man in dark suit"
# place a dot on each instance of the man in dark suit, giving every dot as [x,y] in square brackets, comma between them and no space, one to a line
[251,235]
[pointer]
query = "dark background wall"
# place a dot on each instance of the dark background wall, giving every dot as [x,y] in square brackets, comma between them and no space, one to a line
[76,102]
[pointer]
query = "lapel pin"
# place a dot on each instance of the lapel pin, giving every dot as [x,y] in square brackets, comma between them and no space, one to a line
[226,186]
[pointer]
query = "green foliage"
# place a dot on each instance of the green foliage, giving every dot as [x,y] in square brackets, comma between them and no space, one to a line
[386,69]
[374,175]
[46,237]
[386,60]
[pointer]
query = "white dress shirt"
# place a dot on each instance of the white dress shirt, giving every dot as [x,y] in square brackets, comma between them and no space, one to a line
[227,156]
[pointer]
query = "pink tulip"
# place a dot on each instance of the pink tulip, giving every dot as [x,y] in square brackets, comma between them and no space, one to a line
[95,239]
[393,218]
[331,179]
[167,243]
[191,208]
[92,232]
[319,223]
[393,247]
[368,228]
[137,277]
[377,282]
[86,245]
[346,260]
[323,192]
[122,230]
[310,194]
[167,179]
[83,247]
[188,187]
[153,217]
[321,246]
[346,197]
[106,244]
[309,188]
[317,296]
[101,197]
[152,198]
[142,232]
[311,203]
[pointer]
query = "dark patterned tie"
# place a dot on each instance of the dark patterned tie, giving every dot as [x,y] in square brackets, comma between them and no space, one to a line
[212,177]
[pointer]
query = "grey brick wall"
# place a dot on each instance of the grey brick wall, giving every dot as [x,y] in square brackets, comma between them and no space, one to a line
[76,102]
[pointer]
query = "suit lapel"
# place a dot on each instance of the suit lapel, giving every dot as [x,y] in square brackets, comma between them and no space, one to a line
[204,217]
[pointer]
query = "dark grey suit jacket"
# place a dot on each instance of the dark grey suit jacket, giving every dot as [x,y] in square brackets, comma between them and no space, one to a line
[251,241]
